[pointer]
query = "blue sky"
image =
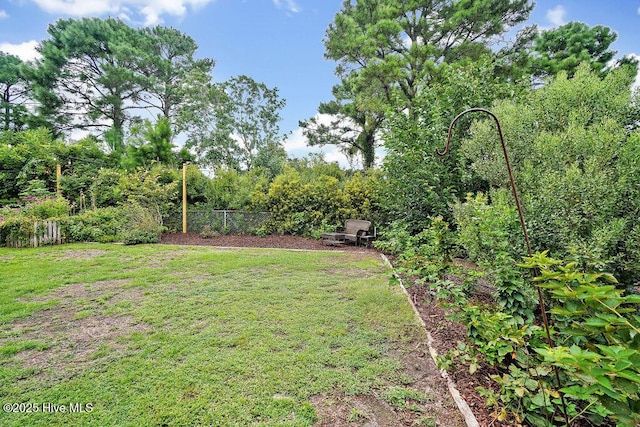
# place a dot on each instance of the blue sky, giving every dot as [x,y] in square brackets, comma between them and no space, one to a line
[278,42]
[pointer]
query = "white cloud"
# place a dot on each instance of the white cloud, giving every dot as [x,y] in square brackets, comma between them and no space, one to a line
[3,14]
[556,15]
[151,10]
[25,51]
[289,4]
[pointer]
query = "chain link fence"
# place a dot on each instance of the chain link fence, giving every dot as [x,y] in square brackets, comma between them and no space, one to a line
[222,221]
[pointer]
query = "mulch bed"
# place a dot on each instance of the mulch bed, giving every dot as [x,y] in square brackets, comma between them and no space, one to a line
[445,332]
[250,241]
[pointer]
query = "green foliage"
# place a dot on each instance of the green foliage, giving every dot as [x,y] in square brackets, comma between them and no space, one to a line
[141,224]
[15,92]
[497,335]
[207,232]
[103,54]
[297,207]
[491,236]
[149,143]
[570,145]
[395,238]
[402,397]
[99,225]
[354,130]
[172,72]
[303,203]
[230,189]
[421,183]
[17,223]
[153,189]
[16,227]
[45,208]
[595,327]
[565,47]
[129,223]
[236,125]
[485,229]
[390,50]
[598,336]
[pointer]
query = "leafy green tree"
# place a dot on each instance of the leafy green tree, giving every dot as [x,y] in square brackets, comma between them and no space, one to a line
[89,76]
[236,124]
[390,56]
[15,91]
[149,143]
[32,155]
[565,47]
[569,143]
[395,46]
[170,68]
[420,183]
[354,131]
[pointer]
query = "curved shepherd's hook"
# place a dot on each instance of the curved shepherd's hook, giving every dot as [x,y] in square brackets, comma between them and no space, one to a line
[514,190]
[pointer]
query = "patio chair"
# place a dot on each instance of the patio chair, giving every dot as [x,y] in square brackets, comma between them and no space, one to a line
[354,230]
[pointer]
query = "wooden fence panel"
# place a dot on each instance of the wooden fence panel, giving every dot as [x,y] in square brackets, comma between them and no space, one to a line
[44,233]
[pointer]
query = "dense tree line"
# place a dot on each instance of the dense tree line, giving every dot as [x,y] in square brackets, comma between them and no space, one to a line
[137,89]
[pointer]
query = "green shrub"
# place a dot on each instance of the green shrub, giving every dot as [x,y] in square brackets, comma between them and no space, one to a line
[16,227]
[48,207]
[152,189]
[595,328]
[135,237]
[574,147]
[597,337]
[207,232]
[99,225]
[129,223]
[298,208]
[488,229]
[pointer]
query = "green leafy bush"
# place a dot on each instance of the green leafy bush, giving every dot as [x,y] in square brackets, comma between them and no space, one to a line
[299,207]
[99,225]
[574,153]
[595,328]
[153,189]
[48,207]
[141,224]
[16,227]
[485,229]
[129,223]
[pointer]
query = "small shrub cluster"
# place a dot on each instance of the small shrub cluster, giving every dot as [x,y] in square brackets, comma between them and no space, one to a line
[17,221]
[302,207]
[129,223]
[596,335]
[100,225]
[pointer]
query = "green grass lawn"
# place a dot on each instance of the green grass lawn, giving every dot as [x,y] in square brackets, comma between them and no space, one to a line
[166,335]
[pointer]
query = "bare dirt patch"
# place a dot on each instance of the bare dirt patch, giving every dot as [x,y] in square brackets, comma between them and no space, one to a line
[81,254]
[75,328]
[446,334]
[85,290]
[372,410]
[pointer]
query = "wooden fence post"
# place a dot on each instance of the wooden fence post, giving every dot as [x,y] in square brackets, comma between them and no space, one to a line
[184,198]
[58,175]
